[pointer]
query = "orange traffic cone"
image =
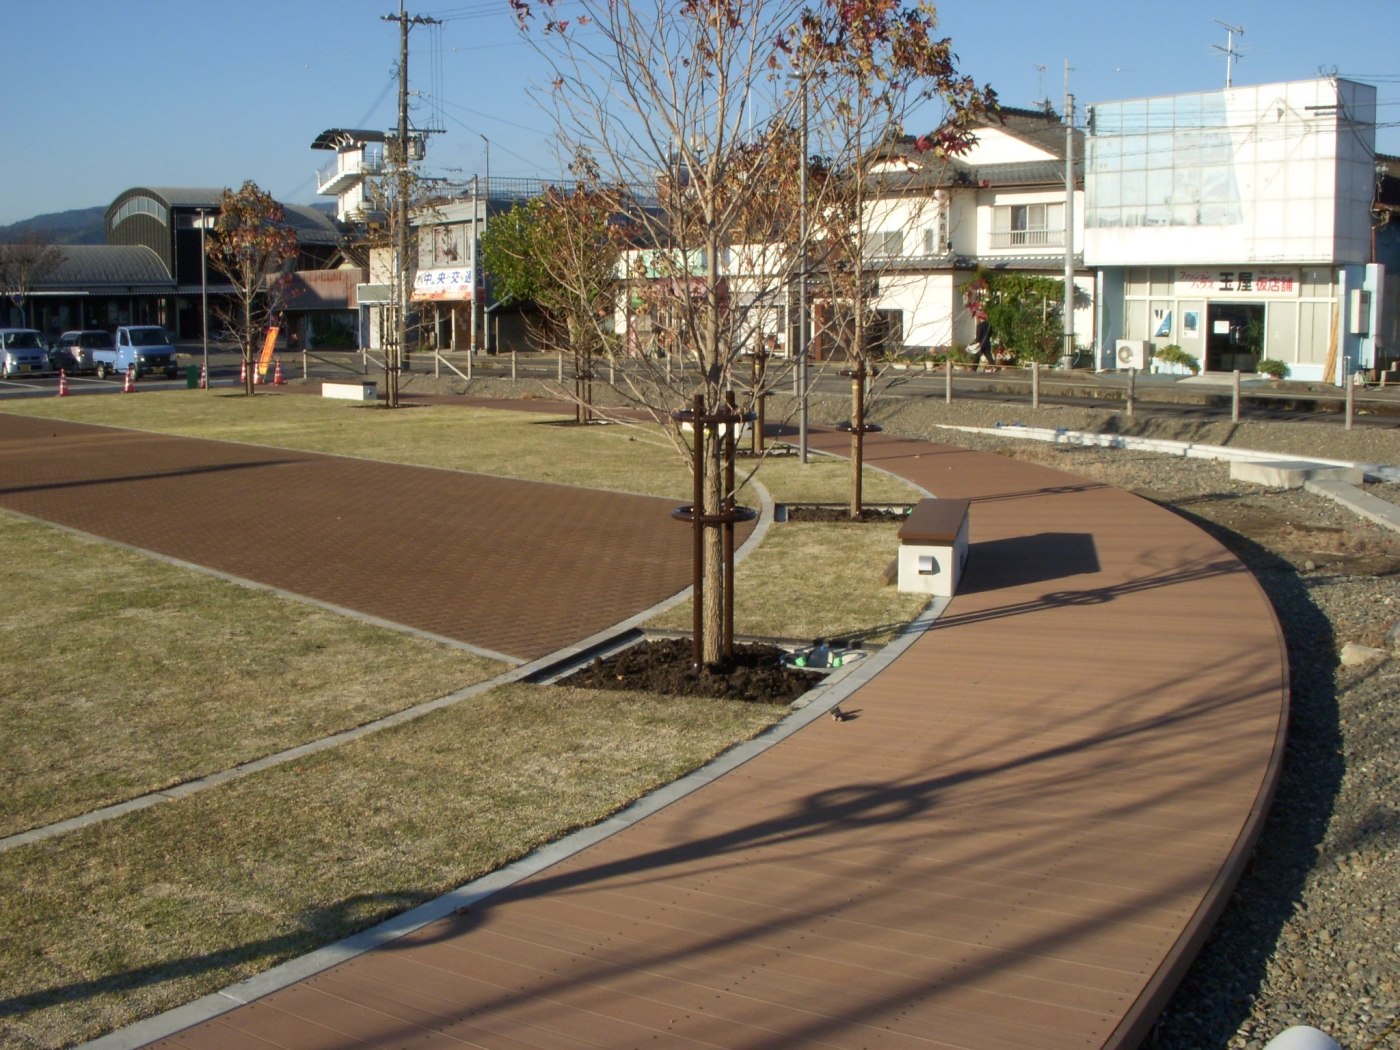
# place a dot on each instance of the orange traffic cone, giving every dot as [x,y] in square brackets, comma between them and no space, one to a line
[129,387]
[62,383]
[204,377]
[258,379]
[277,379]
[243,372]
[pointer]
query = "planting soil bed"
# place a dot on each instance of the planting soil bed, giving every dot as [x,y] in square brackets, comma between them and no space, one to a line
[843,515]
[663,666]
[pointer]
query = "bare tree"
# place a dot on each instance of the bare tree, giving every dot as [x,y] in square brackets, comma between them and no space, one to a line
[662,97]
[25,263]
[875,64]
[251,245]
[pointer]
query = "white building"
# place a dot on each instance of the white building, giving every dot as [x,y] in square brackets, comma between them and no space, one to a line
[1001,206]
[1237,224]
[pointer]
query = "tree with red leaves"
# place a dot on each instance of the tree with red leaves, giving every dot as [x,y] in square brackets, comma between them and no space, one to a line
[251,246]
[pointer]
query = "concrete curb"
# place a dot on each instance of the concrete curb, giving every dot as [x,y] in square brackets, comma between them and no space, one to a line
[1189,449]
[817,703]
[340,610]
[1353,499]
[409,714]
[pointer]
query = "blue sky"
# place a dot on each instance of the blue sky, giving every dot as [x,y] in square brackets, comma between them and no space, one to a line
[100,95]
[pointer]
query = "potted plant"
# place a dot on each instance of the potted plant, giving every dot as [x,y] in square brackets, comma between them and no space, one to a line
[1272,368]
[1174,355]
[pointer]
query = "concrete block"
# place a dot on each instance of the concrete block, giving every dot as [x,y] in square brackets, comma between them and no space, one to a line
[1292,474]
[357,390]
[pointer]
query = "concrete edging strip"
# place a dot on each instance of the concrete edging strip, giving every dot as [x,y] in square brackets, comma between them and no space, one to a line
[827,696]
[1373,508]
[408,714]
[354,614]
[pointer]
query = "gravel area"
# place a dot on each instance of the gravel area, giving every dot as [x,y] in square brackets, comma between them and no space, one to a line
[1312,932]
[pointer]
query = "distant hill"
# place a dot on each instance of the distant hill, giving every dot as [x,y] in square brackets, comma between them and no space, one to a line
[79,226]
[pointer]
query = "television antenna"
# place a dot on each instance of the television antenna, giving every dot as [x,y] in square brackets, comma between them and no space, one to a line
[1040,99]
[1231,55]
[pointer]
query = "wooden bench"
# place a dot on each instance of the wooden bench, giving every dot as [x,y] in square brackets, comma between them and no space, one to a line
[933,547]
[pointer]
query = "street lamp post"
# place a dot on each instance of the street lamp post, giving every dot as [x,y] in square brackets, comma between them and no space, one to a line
[204,289]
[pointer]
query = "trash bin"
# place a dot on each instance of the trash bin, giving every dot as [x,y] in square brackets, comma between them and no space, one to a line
[192,376]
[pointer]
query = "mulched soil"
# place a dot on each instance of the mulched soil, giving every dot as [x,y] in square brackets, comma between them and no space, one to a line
[663,666]
[827,515]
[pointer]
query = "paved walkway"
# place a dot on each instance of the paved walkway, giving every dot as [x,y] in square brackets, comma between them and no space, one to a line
[516,568]
[1020,841]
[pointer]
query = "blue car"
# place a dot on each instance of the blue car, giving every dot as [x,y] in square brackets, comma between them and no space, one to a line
[22,352]
[144,348]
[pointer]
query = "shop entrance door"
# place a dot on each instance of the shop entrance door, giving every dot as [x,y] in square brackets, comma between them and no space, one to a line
[1234,336]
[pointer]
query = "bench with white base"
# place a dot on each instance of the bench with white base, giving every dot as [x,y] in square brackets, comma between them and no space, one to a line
[933,547]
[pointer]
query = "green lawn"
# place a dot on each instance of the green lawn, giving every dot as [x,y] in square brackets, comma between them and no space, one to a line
[115,922]
[121,675]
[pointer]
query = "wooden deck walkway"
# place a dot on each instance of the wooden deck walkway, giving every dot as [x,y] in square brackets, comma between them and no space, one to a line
[1020,841]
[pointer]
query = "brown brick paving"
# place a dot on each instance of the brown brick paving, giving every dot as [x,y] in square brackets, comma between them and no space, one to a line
[1020,841]
[521,568]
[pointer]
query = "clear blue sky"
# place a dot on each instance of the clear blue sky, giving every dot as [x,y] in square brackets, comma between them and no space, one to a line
[101,95]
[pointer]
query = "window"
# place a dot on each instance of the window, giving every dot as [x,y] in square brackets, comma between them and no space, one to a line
[887,243]
[1028,225]
[141,206]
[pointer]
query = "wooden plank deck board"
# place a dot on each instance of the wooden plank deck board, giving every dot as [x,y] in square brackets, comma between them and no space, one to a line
[1019,842]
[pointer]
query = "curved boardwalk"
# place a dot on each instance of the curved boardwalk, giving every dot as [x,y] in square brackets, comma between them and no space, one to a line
[519,568]
[1019,841]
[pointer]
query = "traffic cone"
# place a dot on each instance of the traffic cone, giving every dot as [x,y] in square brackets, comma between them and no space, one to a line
[258,376]
[62,383]
[243,372]
[277,378]
[204,377]
[129,387]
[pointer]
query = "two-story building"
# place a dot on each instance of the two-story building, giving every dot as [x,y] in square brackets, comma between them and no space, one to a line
[933,221]
[1239,225]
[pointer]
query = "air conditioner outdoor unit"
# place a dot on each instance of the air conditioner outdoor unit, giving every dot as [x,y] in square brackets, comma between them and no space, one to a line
[1133,353]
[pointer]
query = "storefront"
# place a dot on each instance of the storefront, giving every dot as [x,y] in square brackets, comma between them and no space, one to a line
[1237,226]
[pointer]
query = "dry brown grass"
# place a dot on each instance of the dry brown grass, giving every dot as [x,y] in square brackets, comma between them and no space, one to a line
[810,580]
[121,920]
[121,675]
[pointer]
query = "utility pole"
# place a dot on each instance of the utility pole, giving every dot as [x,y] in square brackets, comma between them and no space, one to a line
[478,279]
[400,158]
[204,288]
[1068,361]
[1231,55]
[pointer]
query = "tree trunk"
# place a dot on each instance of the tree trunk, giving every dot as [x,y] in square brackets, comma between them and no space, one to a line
[857,437]
[714,552]
[248,347]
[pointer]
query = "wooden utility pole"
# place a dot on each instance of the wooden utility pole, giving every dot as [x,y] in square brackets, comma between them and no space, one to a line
[400,157]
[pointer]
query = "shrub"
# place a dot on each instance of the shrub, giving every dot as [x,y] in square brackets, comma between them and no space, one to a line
[1270,367]
[1174,355]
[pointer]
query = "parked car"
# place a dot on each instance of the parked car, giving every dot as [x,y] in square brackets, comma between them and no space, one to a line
[146,349]
[22,352]
[73,351]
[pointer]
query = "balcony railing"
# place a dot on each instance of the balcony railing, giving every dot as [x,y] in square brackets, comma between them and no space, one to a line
[1028,238]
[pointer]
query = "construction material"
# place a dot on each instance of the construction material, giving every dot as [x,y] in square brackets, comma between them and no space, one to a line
[1292,474]
[1372,508]
[365,390]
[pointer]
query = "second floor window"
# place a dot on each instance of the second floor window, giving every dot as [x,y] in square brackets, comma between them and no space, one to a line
[1028,226]
[886,243]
